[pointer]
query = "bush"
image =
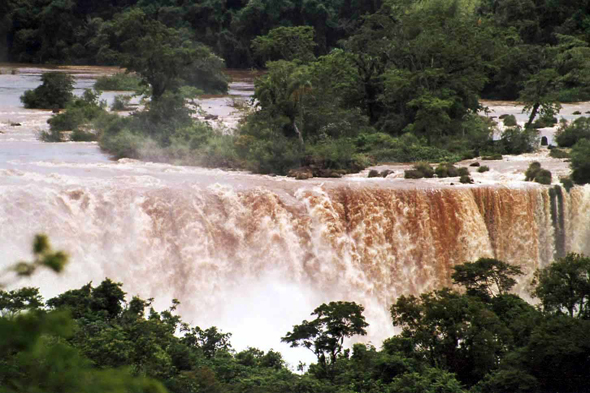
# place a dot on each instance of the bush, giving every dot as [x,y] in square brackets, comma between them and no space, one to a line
[532,171]
[543,177]
[483,169]
[466,179]
[118,82]
[544,122]
[517,141]
[567,183]
[569,135]
[79,112]
[446,170]
[558,153]
[121,103]
[580,163]
[420,170]
[463,171]
[510,121]
[538,174]
[55,92]
[383,147]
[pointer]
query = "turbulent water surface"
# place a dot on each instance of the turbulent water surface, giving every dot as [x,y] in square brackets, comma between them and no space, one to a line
[255,254]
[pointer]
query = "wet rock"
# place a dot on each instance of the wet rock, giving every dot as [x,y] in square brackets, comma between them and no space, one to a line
[15,124]
[374,173]
[301,173]
[386,173]
[211,117]
[324,172]
[55,111]
[476,164]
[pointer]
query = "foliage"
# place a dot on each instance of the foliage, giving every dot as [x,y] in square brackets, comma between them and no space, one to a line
[55,92]
[325,335]
[538,174]
[558,153]
[515,140]
[483,168]
[510,121]
[580,162]
[568,135]
[420,170]
[44,257]
[564,286]
[486,277]
[94,339]
[118,82]
[285,43]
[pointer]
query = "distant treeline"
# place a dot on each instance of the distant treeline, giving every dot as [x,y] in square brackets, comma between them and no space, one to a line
[70,31]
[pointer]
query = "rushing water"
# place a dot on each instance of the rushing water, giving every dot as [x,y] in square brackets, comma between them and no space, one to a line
[255,254]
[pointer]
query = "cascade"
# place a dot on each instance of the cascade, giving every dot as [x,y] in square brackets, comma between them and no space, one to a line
[223,249]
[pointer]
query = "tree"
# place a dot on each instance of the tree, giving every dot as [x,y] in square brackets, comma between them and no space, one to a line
[285,43]
[486,277]
[54,92]
[165,58]
[580,162]
[17,300]
[564,286]
[325,335]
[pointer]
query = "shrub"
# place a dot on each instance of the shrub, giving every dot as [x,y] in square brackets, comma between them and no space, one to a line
[567,183]
[538,174]
[558,153]
[580,163]
[120,103]
[413,174]
[446,170]
[543,177]
[466,179]
[510,121]
[483,169]
[569,135]
[118,82]
[407,148]
[81,111]
[79,135]
[517,141]
[420,170]
[532,171]
[463,171]
[55,92]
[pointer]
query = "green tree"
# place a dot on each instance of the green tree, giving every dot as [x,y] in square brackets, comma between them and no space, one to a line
[285,43]
[54,92]
[486,277]
[325,335]
[163,57]
[580,162]
[564,286]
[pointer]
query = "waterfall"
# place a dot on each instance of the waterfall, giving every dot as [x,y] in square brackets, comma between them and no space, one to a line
[235,255]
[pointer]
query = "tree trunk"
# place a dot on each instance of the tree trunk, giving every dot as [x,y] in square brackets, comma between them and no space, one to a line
[533,114]
[298,133]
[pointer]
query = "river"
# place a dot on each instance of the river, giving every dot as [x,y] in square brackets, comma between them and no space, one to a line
[256,254]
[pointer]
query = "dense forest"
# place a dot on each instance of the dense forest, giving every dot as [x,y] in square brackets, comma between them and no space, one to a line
[477,336]
[346,83]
